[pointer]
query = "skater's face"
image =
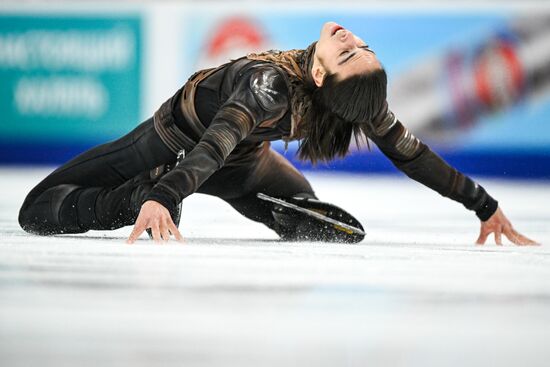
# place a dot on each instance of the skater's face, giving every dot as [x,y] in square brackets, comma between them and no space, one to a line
[340,52]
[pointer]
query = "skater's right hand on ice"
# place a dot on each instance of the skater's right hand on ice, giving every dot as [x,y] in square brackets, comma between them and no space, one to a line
[499,224]
[155,216]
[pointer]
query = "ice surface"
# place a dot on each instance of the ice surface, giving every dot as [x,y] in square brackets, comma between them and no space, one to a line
[416,292]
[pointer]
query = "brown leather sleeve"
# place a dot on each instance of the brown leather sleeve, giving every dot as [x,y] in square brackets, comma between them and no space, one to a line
[260,94]
[417,161]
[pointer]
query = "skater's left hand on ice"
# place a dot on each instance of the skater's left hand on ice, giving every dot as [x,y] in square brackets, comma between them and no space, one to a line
[499,224]
[155,216]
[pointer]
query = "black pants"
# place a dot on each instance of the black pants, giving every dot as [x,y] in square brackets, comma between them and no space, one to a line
[103,188]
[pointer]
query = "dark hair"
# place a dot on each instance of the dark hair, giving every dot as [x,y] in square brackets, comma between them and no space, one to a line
[338,109]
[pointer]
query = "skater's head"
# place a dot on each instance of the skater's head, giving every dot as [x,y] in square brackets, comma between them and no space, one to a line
[349,89]
[350,81]
[341,53]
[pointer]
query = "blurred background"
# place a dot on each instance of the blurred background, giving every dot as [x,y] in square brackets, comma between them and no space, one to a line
[471,80]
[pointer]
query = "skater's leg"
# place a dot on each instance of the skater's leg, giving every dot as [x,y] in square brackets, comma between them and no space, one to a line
[112,163]
[262,171]
[80,195]
[75,209]
[293,225]
[272,174]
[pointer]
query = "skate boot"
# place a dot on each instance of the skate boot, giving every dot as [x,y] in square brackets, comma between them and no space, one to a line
[319,221]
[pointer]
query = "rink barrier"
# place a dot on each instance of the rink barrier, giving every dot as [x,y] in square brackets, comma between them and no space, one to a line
[103,97]
[509,165]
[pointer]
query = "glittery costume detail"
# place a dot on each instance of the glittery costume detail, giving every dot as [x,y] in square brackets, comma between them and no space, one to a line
[297,65]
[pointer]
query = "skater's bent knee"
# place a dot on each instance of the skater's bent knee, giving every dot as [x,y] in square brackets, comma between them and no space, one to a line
[42,215]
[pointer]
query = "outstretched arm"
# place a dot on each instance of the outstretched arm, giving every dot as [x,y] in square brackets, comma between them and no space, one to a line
[417,161]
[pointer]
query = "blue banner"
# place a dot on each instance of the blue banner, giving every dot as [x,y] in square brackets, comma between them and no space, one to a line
[68,82]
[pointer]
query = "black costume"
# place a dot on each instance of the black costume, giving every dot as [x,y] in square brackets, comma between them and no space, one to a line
[223,119]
